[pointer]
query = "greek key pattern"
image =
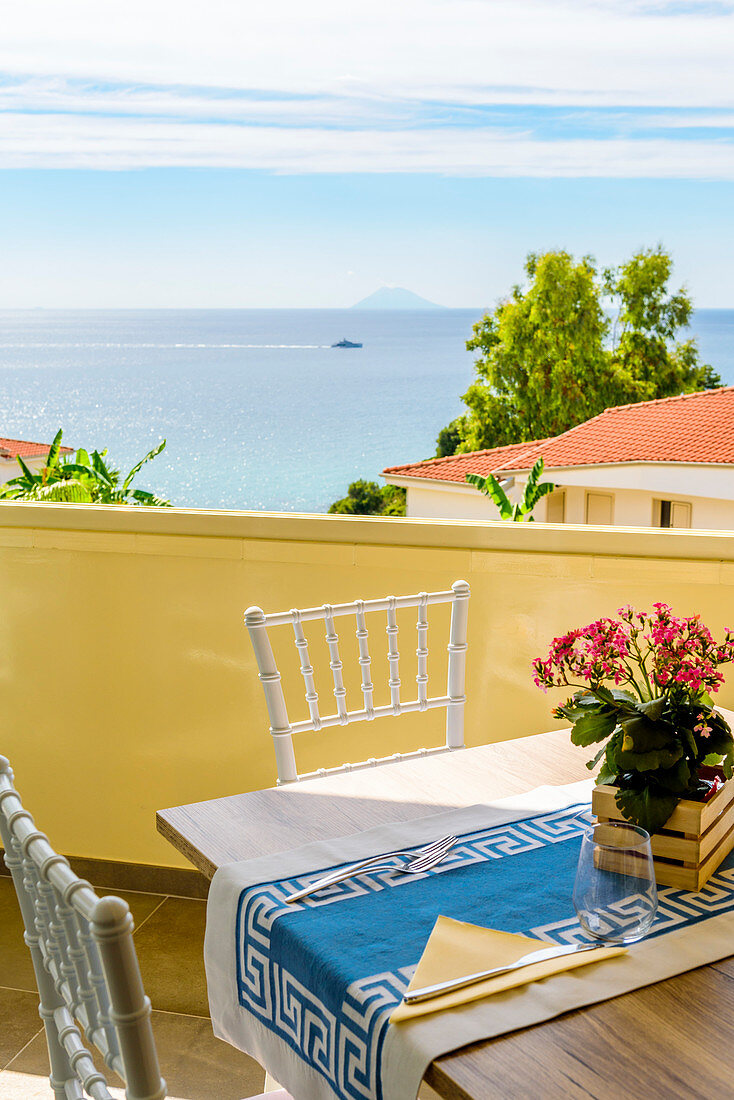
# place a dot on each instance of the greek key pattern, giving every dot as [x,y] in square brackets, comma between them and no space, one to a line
[345,1046]
[676,908]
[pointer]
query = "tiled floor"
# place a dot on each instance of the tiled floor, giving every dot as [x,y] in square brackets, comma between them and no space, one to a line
[169,935]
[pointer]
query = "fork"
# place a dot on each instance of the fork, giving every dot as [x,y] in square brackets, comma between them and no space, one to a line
[423,860]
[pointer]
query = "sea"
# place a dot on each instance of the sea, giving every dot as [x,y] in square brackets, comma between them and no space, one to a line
[258,410]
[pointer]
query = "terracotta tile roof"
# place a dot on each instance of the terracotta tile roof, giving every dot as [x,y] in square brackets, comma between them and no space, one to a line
[11,448]
[456,467]
[695,428]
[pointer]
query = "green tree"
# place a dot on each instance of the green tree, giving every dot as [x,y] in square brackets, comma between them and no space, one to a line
[81,479]
[393,500]
[646,359]
[451,437]
[532,493]
[541,364]
[549,357]
[367,498]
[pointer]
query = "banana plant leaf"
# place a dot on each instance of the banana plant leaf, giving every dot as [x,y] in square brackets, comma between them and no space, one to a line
[150,499]
[137,468]
[67,491]
[491,487]
[534,475]
[101,470]
[27,474]
[53,454]
[539,492]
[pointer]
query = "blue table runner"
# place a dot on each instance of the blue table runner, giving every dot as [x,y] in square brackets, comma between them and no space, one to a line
[324,974]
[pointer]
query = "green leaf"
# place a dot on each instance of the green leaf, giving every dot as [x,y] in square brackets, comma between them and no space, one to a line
[591,764]
[28,474]
[720,743]
[137,468]
[535,473]
[606,774]
[648,807]
[623,696]
[610,768]
[717,722]
[575,713]
[150,499]
[617,696]
[652,709]
[720,736]
[77,468]
[642,735]
[586,702]
[690,741]
[67,491]
[539,492]
[589,699]
[491,487]
[101,469]
[727,764]
[593,727]
[676,779]
[632,761]
[53,454]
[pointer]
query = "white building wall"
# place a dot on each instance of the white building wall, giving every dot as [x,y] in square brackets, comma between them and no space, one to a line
[665,480]
[453,502]
[633,506]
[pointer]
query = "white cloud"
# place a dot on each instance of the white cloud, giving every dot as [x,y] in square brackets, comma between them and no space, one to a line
[262,85]
[52,94]
[464,50]
[58,141]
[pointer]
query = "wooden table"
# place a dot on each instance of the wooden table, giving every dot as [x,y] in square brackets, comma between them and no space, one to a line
[663,1041]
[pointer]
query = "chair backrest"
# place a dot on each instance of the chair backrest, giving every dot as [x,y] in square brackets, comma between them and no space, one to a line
[85,963]
[257,623]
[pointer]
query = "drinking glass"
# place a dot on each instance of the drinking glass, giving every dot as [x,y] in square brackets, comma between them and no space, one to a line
[615,896]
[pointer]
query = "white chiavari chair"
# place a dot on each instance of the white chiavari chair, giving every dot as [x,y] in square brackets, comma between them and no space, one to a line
[282,730]
[85,964]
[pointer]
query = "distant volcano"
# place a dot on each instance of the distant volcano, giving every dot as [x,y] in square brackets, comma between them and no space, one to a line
[395,297]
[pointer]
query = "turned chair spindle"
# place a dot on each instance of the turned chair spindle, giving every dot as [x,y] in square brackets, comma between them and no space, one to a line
[85,965]
[282,729]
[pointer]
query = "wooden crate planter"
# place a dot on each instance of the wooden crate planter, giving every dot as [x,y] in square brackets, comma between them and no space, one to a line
[694,841]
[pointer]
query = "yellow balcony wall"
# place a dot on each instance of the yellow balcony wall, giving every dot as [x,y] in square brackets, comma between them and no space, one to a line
[128,680]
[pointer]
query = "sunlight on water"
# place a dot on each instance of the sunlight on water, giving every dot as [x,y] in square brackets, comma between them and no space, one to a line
[259,411]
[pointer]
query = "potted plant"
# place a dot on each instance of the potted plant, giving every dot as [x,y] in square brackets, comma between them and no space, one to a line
[644,693]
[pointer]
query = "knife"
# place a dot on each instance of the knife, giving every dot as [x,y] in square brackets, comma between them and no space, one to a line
[415,996]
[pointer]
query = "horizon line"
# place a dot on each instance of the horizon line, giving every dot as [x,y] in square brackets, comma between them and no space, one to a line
[261,309]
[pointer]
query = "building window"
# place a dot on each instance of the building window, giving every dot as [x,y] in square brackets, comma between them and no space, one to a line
[600,509]
[671,513]
[555,511]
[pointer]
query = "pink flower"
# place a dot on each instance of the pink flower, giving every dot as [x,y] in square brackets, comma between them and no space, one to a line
[703,729]
[652,652]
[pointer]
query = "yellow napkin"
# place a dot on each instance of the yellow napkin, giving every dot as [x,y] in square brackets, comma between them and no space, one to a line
[455,949]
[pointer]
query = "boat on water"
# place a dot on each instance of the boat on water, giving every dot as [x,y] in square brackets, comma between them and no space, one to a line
[346,344]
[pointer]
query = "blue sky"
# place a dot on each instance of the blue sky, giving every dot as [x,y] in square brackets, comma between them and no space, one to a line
[154,154]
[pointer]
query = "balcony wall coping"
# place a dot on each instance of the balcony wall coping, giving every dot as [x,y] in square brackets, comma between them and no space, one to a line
[80,521]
